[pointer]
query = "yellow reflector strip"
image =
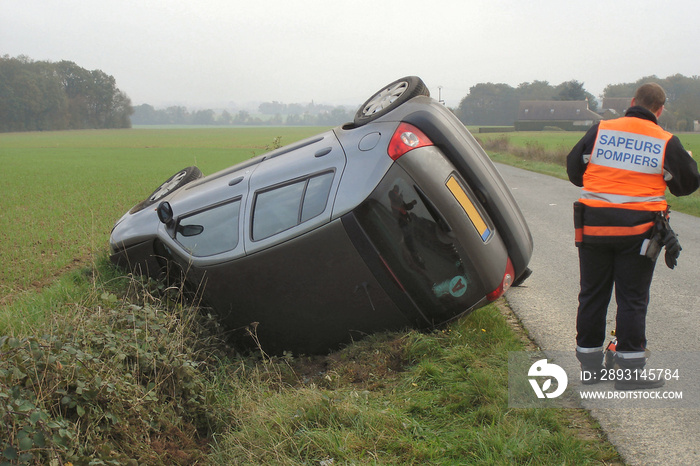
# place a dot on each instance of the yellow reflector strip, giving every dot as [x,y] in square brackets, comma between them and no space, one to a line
[472,213]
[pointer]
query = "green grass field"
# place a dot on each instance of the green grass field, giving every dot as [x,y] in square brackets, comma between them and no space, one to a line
[63,191]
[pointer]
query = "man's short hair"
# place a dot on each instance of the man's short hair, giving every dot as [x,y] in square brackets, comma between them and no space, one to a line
[650,96]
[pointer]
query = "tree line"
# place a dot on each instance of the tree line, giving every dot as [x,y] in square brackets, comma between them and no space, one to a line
[41,95]
[496,104]
[682,107]
[44,96]
[487,104]
[269,113]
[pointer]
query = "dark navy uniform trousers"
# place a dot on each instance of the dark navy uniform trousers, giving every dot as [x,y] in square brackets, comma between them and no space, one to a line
[602,266]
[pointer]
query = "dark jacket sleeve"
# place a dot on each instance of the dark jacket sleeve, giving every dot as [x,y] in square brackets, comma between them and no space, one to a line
[683,169]
[575,166]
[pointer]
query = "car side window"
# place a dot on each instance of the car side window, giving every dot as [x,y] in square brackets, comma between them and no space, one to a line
[316,196]
[211,231]
[283,207]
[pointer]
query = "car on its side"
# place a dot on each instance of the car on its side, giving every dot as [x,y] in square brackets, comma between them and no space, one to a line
[397,219]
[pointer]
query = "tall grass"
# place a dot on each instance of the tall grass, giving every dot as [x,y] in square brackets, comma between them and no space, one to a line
[445,404]
[107,378]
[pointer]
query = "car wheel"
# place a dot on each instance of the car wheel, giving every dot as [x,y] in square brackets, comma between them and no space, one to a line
[389,98]
[178,180]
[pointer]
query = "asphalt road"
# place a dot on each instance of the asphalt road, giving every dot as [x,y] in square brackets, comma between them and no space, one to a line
[547,302]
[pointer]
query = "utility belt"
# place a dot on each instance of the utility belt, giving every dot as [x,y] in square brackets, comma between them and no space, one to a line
[655,226]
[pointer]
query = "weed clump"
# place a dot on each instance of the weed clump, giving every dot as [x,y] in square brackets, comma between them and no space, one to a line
[114,383]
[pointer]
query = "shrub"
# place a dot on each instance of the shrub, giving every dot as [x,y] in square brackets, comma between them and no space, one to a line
[113,384]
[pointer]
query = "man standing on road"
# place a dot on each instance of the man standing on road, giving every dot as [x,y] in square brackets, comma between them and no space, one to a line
[624,167]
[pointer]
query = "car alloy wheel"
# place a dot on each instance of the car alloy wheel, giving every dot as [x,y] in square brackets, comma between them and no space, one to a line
[389,98]
[168,186]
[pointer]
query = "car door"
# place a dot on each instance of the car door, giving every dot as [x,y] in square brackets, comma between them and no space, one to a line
[292,191]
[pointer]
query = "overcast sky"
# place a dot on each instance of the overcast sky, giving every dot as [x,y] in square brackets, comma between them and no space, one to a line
[214,53]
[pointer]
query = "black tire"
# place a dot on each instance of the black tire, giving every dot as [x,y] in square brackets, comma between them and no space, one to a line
[175,182]
[389,98]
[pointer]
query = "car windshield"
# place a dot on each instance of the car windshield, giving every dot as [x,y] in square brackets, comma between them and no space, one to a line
[426,260]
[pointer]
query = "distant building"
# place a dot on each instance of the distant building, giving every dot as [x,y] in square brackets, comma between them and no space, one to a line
[615,107]
[569,115]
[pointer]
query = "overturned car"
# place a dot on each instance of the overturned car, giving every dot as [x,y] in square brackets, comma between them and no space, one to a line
[397,219]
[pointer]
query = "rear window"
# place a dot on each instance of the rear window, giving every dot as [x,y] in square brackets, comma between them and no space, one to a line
[286,206]
[429,262]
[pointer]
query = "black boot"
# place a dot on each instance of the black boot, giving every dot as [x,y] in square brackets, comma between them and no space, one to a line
[591,360]
[633,375]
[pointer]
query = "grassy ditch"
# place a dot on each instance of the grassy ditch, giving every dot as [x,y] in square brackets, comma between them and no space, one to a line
[545,152]
[105,379]
[125,372]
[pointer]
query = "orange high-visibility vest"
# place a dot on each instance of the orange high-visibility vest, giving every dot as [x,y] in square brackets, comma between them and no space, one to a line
[626,171]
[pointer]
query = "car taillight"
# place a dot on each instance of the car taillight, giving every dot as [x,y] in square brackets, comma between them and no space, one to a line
[508,278]
[406,137]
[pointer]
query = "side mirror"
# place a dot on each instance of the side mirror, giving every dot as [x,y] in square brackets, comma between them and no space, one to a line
[165,213]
